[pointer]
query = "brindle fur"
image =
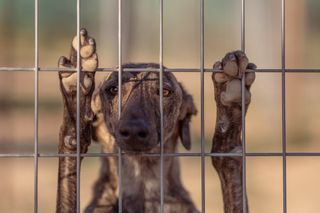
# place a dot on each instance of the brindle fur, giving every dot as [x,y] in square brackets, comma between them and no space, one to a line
[141,177]
[67,165]
[66,195]
[227,136]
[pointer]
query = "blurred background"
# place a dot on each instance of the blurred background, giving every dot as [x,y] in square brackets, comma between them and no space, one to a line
[57,26]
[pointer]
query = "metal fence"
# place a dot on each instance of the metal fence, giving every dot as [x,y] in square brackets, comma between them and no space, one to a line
[283,70]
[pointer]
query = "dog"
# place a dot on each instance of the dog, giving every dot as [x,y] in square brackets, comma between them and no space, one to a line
[137,131]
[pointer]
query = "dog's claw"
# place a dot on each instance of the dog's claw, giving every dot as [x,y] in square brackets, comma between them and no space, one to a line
[250,77]
[62,61]
[83,32]
[91,41]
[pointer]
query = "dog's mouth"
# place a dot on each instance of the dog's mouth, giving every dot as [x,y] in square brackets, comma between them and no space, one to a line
[136,147]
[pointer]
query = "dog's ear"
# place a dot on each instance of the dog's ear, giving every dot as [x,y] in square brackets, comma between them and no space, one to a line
[187,110]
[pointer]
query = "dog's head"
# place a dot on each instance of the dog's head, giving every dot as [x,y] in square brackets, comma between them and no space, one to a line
[138,128]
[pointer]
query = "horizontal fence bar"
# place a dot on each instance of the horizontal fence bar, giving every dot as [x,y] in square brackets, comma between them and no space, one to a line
[248,154]
[191,70]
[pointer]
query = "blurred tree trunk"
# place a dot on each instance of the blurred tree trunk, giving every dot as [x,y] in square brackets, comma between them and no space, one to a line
[296,25]
[128,24]
[7,23]
[295,33]
[7,79]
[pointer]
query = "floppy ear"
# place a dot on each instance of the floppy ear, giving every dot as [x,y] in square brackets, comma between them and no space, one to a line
[187,110]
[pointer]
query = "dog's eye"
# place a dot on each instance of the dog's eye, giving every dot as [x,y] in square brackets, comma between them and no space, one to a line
[113,90]
[166,92]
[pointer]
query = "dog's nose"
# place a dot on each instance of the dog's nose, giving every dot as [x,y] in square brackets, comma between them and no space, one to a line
[134,130]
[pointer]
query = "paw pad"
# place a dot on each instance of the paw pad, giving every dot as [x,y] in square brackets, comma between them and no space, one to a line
[89,63]
[228,81]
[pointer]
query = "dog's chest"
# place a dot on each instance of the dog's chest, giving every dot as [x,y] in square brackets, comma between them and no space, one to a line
[144,178]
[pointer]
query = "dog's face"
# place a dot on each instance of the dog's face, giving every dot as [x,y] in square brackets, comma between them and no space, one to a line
[138,128]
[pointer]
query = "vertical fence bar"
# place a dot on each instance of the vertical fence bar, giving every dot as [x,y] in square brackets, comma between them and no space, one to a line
[36,99]
[243,110]
[78,107]
[203,186]
[243,25]
[161,109]
[120,98]
[283,85]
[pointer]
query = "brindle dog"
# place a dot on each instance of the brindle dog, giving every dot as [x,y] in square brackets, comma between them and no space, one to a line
[138,131]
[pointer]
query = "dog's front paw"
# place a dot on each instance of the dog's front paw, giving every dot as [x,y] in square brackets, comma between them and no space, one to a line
[228,82]
[89,64]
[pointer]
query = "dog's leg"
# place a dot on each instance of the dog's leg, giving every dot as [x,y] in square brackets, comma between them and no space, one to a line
[105,188]
[104,198]
[227,136]
[67,177]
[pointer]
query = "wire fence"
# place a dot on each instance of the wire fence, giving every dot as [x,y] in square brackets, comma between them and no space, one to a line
[201,70]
